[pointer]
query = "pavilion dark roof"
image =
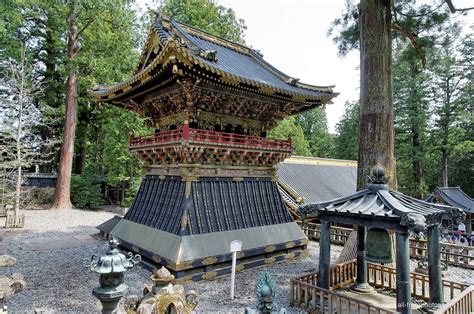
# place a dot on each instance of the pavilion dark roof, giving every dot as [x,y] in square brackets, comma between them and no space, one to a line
[454,196]
[232,64]
[379,203]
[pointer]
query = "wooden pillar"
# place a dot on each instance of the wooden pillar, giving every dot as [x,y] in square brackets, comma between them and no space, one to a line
[403,273]
[434,266]
[324,255]
[361,284]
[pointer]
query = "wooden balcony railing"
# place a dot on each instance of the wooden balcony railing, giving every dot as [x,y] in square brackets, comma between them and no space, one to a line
[209,137]
[305,294]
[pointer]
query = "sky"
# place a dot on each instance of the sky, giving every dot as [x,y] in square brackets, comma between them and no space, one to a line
[292,35]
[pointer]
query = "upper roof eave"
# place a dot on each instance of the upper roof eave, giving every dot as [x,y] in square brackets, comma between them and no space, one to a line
[327,91]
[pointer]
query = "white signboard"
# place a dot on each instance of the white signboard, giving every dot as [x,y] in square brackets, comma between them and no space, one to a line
[235,246]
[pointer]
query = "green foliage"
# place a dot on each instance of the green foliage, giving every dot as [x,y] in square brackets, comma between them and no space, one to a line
[86,191]
[207,15]
[347,140]
[289,128]
[315,129]
[411,102]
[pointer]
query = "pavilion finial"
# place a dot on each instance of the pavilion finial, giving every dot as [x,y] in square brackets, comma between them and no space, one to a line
[378,180]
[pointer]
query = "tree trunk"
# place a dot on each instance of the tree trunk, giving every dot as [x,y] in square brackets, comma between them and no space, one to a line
[444,161]
[376,133]
[418,175]
[18,137]
[62,197]
[445,132]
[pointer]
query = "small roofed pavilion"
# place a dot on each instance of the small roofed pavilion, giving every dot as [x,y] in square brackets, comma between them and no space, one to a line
[455,196]
[379,207]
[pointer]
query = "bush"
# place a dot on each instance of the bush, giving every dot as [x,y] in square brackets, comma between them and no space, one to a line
[86,191]
[131,192]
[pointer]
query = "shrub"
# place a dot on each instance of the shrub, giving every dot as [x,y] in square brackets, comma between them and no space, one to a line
[86,191]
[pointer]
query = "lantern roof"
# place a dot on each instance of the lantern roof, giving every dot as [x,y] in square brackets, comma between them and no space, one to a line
[176,50]
[378,206]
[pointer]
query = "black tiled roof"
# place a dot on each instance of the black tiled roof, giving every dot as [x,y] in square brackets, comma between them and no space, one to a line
[250,66]
[215,204]
[456,197]
[318,179]
[232,59]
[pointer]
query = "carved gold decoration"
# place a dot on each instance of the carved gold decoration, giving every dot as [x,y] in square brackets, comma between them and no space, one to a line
[270,248]
[290,245]
[209,275]
[290,256]
[182,266]
[156,259]
[270,260]
[239,268]
[209,260]
[200,153]
[304,241]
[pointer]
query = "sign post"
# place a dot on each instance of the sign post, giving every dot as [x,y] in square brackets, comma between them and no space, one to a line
[235,246]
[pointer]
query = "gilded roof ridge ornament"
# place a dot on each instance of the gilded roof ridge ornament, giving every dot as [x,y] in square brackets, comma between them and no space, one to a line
[292,81]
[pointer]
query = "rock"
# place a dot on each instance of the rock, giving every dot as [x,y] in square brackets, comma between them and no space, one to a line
[7,260]
[11,285]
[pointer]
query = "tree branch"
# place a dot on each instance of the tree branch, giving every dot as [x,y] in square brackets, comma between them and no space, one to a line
[453,9]
[406,33]
[88,23]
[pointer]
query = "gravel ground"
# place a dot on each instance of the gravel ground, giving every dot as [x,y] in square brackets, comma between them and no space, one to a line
[56,281]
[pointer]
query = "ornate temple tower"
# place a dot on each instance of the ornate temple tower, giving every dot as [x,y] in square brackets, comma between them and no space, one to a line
[209,170]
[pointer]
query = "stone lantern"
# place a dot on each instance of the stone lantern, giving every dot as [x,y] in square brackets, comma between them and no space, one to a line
[111,268]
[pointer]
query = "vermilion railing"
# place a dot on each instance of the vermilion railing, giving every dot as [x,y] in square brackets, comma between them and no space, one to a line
[209,137]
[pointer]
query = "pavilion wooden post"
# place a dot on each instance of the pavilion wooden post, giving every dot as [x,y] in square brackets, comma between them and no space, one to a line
[361,284]
[403,273]
[324,255]
[434,265]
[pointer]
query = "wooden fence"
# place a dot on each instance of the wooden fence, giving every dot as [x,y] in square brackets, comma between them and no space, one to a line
[305,294]
[451,254]
[463,303]
[339,235]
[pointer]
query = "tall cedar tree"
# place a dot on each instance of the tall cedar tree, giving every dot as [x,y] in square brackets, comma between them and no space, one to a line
[81,16]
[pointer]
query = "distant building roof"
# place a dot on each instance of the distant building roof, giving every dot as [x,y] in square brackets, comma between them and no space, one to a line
[453,196]
[304,180]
